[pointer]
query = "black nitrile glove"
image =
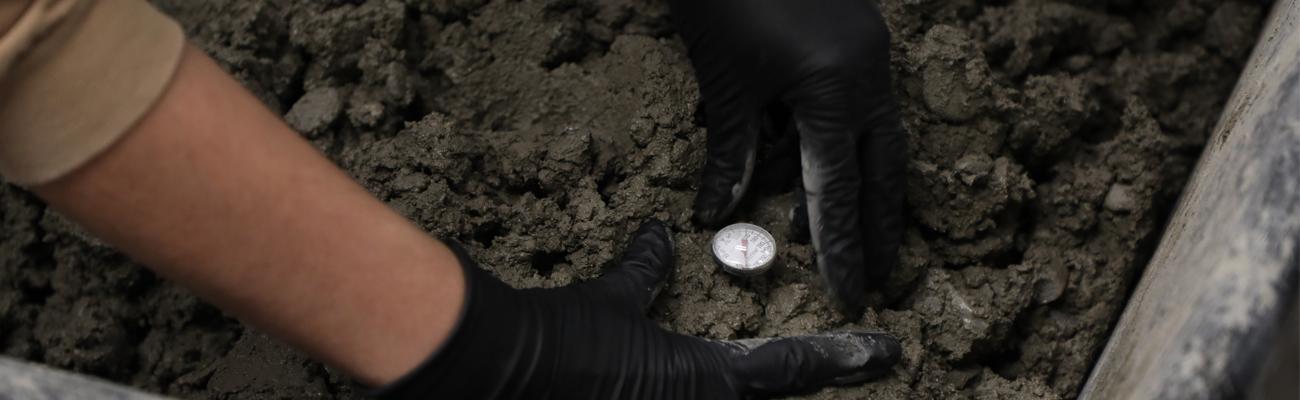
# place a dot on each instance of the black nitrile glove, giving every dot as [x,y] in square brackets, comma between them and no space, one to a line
[593,341]
[823,66]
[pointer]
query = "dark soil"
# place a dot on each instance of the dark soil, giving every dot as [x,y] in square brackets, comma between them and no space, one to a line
[1048,142]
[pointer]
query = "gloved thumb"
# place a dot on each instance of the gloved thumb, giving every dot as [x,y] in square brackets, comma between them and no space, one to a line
[804,363]
[646,264]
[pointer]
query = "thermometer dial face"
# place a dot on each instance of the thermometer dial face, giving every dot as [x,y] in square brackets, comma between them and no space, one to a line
[744,249]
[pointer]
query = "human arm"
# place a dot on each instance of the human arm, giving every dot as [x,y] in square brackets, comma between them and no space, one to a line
[106,114]
[213,191]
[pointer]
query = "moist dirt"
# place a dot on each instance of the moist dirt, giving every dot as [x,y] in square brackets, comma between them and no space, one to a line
[1048,141]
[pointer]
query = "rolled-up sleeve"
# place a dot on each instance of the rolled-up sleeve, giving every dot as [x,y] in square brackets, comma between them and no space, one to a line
[74,76]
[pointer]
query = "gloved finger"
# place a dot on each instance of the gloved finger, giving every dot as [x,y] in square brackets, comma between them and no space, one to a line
[883,158]
[882,154]
[830,135]
[805,363]
[731,147]
[647,262]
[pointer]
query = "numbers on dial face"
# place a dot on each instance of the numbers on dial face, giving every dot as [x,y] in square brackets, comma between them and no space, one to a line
[744,247]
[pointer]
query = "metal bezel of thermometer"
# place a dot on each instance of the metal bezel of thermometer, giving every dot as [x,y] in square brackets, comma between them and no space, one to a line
[743,249]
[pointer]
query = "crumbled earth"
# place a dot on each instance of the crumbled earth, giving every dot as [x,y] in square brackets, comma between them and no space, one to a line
[1048,142]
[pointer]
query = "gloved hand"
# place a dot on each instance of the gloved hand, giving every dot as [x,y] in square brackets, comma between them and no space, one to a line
[821,68]
[592,341]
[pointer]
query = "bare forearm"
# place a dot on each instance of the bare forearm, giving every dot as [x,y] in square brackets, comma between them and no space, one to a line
[213,191]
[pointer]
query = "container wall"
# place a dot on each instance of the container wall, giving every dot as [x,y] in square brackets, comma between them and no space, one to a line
[1208,308]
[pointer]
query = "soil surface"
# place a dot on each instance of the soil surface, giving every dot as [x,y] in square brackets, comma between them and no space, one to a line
[1048,142]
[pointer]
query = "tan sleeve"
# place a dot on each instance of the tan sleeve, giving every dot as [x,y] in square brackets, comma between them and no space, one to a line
[74,76]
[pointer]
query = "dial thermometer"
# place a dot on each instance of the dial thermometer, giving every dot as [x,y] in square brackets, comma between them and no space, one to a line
[744,249]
